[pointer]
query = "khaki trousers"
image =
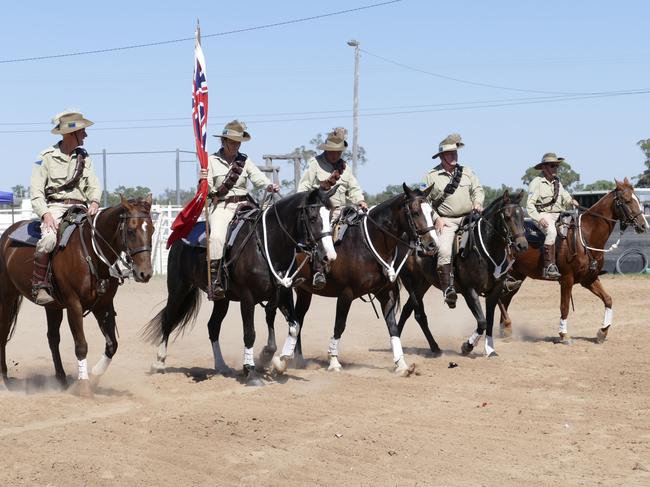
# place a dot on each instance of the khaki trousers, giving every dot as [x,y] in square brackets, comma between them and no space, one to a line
[550,231]
[220,217]
[446,239]
[48,236]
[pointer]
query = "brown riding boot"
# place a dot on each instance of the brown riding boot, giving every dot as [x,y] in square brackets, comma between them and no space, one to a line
[551,271]
[216,290]
[41,289]
[448,291]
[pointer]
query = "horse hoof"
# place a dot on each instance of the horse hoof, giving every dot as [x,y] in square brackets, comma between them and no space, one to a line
[85,389]
[564,339]
[253,379]
[335,368]
[436,353]
[279,365]
[466,348]
[223,370]
[254,382]
[601,336]
[265,357]
[94,380]
[506,331]
[299,363]
[492,354]
[405,370]
[157,368]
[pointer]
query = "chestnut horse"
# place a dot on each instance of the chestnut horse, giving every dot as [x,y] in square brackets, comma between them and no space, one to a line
[582,264]
[85,279]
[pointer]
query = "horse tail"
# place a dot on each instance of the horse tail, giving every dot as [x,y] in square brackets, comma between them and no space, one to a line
[12,298]
[183,300]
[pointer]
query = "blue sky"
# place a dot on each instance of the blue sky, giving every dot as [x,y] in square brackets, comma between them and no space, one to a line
[553,46]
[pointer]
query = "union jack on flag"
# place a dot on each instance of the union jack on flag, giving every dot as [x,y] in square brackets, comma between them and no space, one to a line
[186,219]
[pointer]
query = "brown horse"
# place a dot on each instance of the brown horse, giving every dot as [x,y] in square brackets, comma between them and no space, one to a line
[580,256]
[85,279]
[367,264]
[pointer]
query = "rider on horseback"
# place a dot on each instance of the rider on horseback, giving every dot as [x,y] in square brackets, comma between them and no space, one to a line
[228,174]
[456,193]
[327,170]
[547,198]
[63,176]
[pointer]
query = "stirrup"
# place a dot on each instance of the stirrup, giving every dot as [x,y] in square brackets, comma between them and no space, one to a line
[551,273]
[216,292]
[318,281]
[42,295]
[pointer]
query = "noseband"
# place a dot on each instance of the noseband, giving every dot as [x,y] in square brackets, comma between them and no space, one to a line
[627,218]
[123,229]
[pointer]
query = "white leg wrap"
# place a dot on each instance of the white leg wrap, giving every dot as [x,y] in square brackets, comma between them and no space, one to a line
[83,369]
[489,345]
[563,326]
[162,353]
[102,365]
[396,345]
[289,346]
[609,315]
[219,362]
[474,339]
[333,349]
[248,357]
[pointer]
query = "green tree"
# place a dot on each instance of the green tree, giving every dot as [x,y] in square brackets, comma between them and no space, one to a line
[168,197]
[493,193]
[600,185]
[643,179]
[568,177]
[19,191]
[128,192]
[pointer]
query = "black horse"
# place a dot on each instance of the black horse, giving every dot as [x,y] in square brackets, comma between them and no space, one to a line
[479,270]
[258,265]
[366,265]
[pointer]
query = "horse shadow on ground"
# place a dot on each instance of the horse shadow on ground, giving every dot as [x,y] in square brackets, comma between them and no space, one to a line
[552,339]
[44,384]
[201,374]
[420,351]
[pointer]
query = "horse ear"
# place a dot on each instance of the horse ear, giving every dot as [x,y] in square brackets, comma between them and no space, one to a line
[519,197]
[125,202]
[617,182]
[149,199]
[506,197]
[427,191]
[626,181]
[407,190]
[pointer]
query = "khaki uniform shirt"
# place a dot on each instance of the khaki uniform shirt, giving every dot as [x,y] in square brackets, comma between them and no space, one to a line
[53,168]
[348,192]
[540,191]
[218,168]
[468,193]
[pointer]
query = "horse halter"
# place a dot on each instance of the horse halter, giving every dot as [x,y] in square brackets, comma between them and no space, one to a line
[307,214]
[415,231]
[627,218]
[508,237]
[124,230]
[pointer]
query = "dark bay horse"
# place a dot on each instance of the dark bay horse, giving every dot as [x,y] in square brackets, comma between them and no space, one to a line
[366,265]
[85,279]
[479,270]
[265,250]
[580,257]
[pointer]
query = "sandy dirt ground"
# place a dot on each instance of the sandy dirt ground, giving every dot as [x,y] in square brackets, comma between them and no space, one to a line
[539,414]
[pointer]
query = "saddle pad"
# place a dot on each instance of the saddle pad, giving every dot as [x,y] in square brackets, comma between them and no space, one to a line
[533,233]
[29,233]
[196,237]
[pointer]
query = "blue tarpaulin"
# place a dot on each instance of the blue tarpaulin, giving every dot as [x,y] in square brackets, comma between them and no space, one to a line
[6,198]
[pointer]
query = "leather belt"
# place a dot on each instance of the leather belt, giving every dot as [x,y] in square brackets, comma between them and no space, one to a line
[66,201]
[230,199]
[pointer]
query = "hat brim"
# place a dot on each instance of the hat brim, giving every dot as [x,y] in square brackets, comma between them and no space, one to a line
[559,161]
[460,145]
[333,147]
[237,138]
[79,125]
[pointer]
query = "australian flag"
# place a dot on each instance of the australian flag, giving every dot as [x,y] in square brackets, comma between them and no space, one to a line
[187,218]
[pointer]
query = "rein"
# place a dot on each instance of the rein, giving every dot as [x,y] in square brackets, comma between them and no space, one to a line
[508,238]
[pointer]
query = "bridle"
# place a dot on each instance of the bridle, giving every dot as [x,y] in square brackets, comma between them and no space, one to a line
[415,231]
[628,218]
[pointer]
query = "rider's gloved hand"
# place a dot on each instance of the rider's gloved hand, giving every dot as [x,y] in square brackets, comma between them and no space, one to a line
[273,188]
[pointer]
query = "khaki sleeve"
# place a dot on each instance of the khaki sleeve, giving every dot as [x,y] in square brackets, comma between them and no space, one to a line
[354,194]
[256,176]
[478,195]
[533,197]
[93,190]
[37,188]
[307,180]
[565,198]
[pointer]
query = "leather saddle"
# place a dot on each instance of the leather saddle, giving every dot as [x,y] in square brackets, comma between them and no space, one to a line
[29,232]
[245,211]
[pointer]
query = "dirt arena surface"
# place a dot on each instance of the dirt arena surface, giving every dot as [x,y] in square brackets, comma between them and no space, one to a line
[539,414]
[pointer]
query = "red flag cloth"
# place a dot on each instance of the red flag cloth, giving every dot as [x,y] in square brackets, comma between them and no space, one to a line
[186,219]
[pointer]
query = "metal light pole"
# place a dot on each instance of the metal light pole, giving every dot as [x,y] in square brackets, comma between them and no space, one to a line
[355,108]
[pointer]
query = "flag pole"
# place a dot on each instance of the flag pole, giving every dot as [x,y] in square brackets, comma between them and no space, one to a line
[207,203]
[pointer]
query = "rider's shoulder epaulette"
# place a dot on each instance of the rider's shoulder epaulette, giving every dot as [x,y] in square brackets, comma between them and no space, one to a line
[46,151]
